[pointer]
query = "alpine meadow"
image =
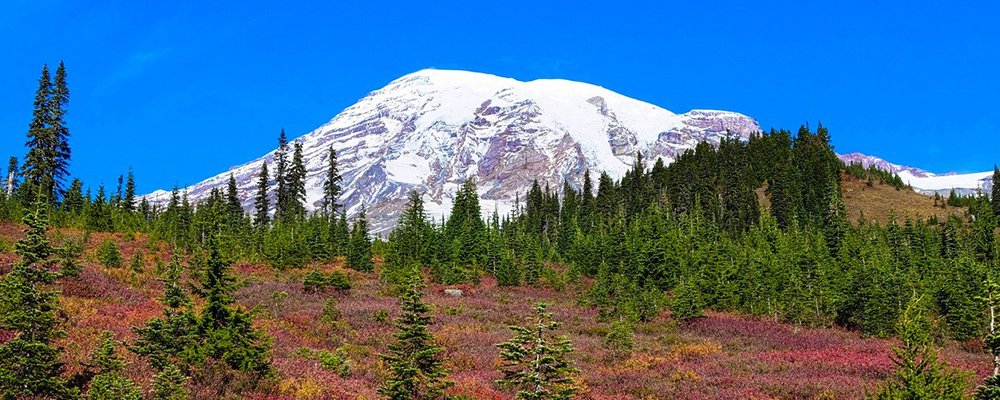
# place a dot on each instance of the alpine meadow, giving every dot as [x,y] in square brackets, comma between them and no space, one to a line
[463,235]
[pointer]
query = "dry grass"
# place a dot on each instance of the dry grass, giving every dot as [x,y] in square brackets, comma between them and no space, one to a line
[880,201]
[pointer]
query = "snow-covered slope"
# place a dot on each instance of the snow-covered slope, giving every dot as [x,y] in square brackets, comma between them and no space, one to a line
[964,184]
[867,161]
[430,130]
[927,182]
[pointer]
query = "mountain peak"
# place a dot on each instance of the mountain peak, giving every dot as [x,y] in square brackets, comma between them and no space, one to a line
[432,129]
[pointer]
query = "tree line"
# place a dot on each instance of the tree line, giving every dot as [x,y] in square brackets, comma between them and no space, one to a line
[756,227]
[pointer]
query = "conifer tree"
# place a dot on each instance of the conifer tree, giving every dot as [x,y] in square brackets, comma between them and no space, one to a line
[340,235]
[172,338]
[295,186]
[465,227]
[586,202]
[409,242]
[39,163]
[110,382]
[116,200]
[919,374]
[73,200]
[834,219]
[61,151]
[170,384]
[31,366]
[261,202]
[688,302]
[128,199]
[359,252]
[331,187]
[233,205]
[990,389]
[995,193]
[534,363]
[280,178]
[415,362]
[226,331]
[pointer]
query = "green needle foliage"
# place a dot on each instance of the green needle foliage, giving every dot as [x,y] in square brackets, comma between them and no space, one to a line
[535,364]
[415,362]
[31,366]
[110,383]
[170,384]
[919,374]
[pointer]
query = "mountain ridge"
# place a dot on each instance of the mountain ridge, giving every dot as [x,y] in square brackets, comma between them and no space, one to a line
[430,130]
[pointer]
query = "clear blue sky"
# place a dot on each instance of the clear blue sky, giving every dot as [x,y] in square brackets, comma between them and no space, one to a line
[180,90]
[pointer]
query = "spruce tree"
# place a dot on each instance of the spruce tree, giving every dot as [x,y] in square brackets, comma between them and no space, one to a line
[919,374]
[233,205]
[281,170]
[39,162]
[170,384]
[116,200]
[409,242]
[261,202]
[340,235]
[61,151]
[331,187]
[110,383]
[687,300]
[995,193]
[415,362]
[172,338]
[465,226]
[128,199]
[225,331]
[534,363]
[31,366]
[990,389]
[73,200]
[359,255]
[295,186]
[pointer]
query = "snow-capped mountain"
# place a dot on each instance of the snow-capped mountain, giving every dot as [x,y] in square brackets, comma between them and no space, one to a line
[928,182]
[867,161]
[430,130]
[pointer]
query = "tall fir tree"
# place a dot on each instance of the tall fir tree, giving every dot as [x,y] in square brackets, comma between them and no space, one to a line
[262,203]
[331,187]
[31,367]
[116,200]
[408,247]
[61,151]
[280,172]
[359,251]
[416,365]
[535,363]
[73,200]
[39,163]
[227,331]
[465,227]
[995,193]
[295,186]
[128,199]
[233,205]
